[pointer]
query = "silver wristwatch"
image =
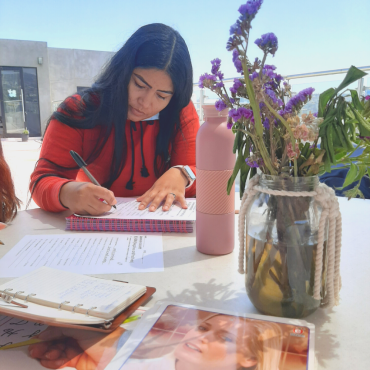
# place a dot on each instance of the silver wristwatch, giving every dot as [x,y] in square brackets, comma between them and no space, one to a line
[188,173]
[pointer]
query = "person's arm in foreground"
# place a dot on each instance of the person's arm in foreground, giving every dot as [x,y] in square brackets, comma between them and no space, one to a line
[57,190]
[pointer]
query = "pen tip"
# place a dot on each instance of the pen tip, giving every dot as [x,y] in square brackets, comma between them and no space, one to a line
[114,207]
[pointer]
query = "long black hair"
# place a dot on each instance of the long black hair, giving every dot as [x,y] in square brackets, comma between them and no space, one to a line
[105,104]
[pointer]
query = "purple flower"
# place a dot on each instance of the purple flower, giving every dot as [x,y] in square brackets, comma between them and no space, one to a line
[367,97]
[235,87]
[236,29]
[278,78]
[254,163]
[237,62]
[266,124]
[268,43]
[315,114]
[220,105]
[244,112]
[206,78]
[215,65]
[233,113]
[296,101]
[261,104]
[250,8]
[229,125]
[270,93]
[233,42]
[253,75]
[220,75]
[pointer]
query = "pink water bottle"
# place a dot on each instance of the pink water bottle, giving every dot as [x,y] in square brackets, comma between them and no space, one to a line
[215,162]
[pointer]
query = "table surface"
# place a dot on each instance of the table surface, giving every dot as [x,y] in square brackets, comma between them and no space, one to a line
[342,333]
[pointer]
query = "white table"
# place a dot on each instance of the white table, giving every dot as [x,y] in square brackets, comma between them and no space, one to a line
[342,334]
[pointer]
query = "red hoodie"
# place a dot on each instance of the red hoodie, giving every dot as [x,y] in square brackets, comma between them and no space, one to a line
[60,139]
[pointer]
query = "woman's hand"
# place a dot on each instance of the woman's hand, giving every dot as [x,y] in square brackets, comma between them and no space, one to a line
[86,198]
[75,348]
[170,186]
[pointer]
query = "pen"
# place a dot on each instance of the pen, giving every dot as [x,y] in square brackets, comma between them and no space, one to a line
[82,164]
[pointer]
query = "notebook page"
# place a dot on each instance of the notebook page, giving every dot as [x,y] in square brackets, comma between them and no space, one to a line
[127,209]
[57,286]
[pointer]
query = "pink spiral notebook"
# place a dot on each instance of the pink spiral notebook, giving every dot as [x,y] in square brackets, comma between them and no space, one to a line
[128,218]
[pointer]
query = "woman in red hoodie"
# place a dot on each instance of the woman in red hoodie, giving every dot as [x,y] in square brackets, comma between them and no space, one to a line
[135,128]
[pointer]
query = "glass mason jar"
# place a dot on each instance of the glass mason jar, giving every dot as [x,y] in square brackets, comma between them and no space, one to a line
[282,238]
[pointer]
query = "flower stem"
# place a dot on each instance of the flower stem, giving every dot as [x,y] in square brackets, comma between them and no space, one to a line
[258,123]
[286,124]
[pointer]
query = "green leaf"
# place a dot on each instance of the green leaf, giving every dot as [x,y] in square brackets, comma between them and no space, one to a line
[361,172]
[323,100]
[349,145]
[330,140]
[352,75]
[356,101]
[351,176]
[306,149]
[238,141]
[243,178]
[354,193]
[238,163]
[363,125]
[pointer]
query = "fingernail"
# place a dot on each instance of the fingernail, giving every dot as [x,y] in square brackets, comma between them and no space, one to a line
[48,356]
[152,208]
[165,208]
[31,352]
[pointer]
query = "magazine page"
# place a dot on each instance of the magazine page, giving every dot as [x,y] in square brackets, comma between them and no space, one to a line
[174,336]
[55,347]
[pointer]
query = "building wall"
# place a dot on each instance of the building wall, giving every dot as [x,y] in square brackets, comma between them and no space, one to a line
[69,68]
[16,53]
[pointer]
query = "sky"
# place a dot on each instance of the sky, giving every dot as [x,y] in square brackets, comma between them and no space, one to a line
[313,35]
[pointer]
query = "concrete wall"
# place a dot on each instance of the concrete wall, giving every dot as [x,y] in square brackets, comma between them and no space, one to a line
[15,53]
[69,68]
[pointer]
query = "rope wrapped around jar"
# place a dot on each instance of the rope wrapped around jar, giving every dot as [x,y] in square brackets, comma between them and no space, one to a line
[329,202]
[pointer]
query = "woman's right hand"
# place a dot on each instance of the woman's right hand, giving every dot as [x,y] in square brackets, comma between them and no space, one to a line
[86,198]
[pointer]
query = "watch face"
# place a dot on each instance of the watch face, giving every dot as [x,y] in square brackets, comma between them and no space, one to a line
[189,172]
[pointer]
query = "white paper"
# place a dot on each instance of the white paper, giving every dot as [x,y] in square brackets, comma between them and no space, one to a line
[127,209]
[85,253]
[13,331]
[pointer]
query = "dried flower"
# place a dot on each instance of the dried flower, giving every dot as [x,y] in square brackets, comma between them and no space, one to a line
[290,152]
[236,86]
[268,43]
[220,105]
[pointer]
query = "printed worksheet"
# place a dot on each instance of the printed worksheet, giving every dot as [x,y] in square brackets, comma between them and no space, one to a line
[85,253]
[14,331]
[127,209]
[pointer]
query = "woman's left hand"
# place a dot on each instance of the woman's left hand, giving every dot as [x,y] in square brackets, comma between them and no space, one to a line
[169,187]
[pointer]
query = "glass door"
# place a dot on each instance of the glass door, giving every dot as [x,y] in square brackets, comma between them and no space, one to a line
[12,101]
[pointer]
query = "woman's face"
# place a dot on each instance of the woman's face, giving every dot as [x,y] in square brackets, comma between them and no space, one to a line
[149,91]
[214,344]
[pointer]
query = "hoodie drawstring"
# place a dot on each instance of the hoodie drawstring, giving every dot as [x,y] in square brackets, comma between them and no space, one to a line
[144,171]
[130,183]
